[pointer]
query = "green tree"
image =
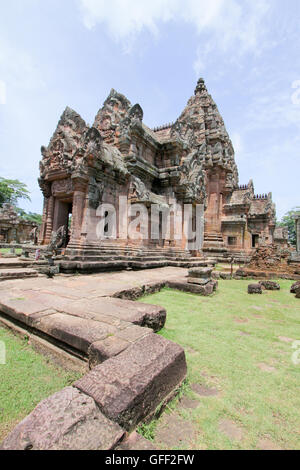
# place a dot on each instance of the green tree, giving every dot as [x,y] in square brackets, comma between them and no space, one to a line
[12,190]
[30,216]
[288,221]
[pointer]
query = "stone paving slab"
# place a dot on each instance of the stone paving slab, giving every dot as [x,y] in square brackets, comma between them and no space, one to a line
[74,331]
[152,316]
[130,386]
[68,420]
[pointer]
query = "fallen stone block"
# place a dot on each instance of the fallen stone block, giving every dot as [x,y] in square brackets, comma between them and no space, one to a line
[203,273]
[68,420]
[270,285]
[254,289]
[207,289]
[130,386]
[225,276]
[298,293]
[294,287]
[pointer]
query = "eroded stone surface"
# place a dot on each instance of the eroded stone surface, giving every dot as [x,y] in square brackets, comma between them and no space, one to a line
[294,287]
[254,289]
[109,347]
[207,289]
[131,385]
[68,420]
[77,332]
[270,285]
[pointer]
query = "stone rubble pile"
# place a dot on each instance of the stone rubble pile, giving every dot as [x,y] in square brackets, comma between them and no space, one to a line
[272,258]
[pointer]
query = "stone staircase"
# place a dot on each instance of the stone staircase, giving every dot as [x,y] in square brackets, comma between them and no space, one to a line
[16,268]
[110,257]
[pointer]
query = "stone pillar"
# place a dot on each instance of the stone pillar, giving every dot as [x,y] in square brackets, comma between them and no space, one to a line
[80,186]
[42,233]
[49,223]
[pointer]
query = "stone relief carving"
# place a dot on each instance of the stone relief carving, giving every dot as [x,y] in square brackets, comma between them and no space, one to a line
[96,190]
[62,186]
[138,190]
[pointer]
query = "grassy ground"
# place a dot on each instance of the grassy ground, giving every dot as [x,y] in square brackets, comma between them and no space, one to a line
[7,250]
[232,344]
[25,380]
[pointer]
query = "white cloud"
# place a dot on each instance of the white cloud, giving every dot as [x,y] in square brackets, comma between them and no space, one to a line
[237,142]
[230,23]
[2,92]
[18,70]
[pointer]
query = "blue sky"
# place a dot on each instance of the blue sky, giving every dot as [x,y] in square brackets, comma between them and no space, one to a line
[55,53]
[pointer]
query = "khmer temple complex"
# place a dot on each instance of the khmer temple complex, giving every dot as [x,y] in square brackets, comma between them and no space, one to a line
[190,161]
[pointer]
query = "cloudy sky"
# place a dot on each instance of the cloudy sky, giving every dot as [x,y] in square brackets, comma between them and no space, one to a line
[55,53]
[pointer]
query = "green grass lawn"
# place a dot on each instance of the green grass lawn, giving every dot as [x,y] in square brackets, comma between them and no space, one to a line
[25,379]
[232,344]
[7,250]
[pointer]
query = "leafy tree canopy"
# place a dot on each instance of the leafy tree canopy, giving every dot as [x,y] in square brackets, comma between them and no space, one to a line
[12,190]
[288,221]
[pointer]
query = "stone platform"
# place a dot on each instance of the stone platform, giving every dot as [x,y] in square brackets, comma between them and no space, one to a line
[89,319]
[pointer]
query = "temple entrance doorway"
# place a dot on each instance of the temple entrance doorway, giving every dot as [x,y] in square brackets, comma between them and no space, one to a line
[255,240]
[63,217]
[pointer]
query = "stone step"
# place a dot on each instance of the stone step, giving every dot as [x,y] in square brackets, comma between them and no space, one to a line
[21,273]
[143,377]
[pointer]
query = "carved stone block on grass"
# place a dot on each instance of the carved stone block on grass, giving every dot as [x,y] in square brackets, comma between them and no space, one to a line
[130,386]
[294,287]
[270,285]
[68,420]
[202,273]
[254,289]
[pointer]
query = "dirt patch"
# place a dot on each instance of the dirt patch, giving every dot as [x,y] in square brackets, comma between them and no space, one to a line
[267,444]
[255,307]
[285,339]
[241,320]
[191,351]
[244,333]
[231,429]
[173,431]
[265,367]
[203,391]
[188,403]
[258,316]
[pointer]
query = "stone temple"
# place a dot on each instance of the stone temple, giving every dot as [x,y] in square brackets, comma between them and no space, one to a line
[190,162]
